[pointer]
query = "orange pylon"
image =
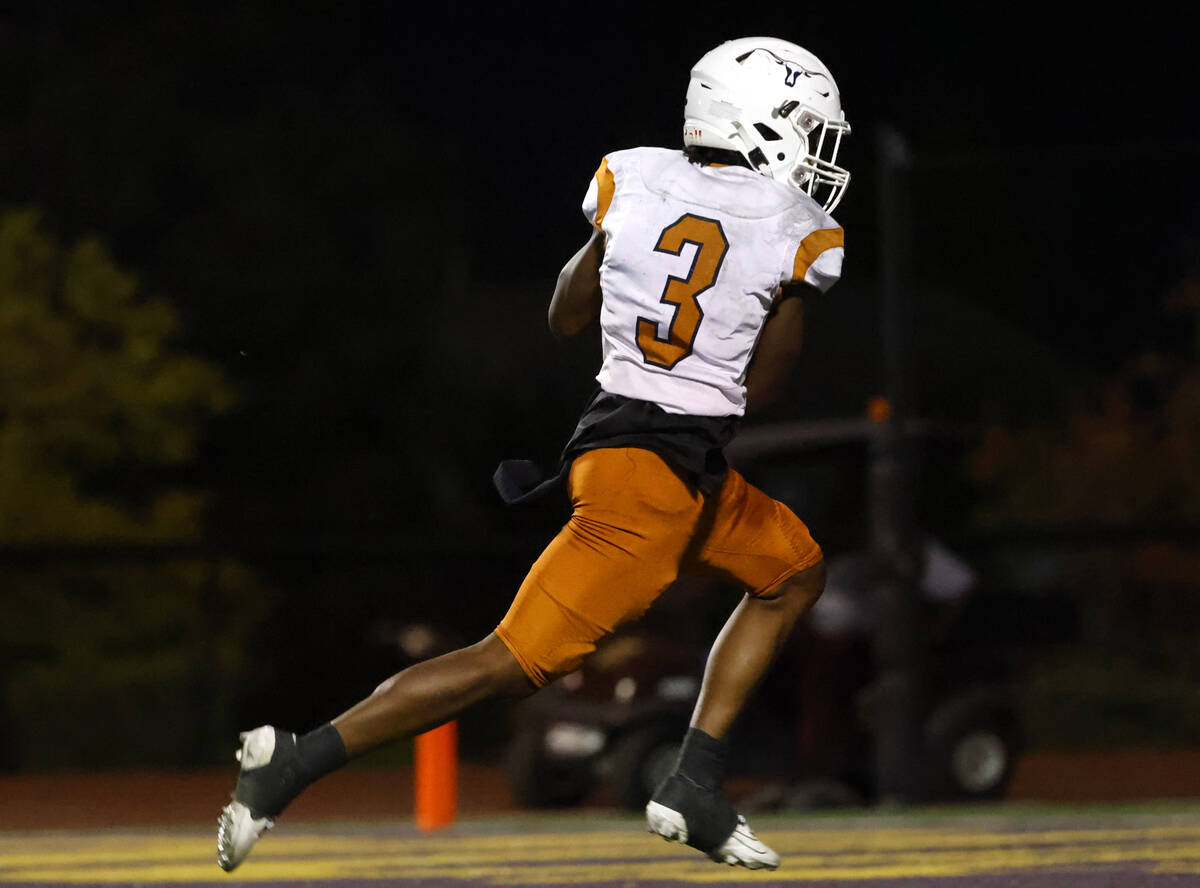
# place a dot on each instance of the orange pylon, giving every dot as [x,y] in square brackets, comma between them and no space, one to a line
[437,777]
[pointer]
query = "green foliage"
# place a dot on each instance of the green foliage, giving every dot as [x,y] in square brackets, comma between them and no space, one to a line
[89,383]
[95,402]
[124,664]
[1076,700]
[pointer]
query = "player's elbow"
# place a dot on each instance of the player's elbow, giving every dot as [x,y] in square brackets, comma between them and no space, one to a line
[574,307]
[758,398]
[558,326]
[768,377]
[577,295]
[567,328]
[562,321]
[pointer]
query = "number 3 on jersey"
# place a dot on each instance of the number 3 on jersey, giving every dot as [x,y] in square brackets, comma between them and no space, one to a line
[711,246]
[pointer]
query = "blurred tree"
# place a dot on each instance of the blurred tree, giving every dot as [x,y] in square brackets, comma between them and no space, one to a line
[1126,457]
[97,409]
[281,177]
[94,403]
[1123,460]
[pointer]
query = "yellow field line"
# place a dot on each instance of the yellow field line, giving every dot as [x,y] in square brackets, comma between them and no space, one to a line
[581,845]
[609,856]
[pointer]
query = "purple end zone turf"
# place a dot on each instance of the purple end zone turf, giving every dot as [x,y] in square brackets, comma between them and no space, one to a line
[1095,878]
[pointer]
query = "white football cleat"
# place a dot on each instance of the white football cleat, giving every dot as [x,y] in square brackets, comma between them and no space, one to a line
[258,791]
[742,848]
[237,831]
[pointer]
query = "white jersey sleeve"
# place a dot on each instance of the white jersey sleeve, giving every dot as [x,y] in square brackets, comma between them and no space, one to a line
[694,257]
[599,194]
[818,260]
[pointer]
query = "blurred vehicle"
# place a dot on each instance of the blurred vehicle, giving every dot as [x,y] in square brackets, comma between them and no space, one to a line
[615,725]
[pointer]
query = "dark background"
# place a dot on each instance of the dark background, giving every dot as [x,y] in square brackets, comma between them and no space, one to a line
[359,211]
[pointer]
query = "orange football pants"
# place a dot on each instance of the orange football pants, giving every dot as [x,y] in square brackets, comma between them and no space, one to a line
[635,527]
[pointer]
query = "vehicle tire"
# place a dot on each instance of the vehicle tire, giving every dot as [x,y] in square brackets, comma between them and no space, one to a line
[972,744]
[641,761]
[540,781]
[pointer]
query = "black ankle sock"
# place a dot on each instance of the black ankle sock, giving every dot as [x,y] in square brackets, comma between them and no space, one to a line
[321,751]
[694,790]
[702,759]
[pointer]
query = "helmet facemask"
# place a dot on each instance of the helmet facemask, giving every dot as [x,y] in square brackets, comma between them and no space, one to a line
[817,167]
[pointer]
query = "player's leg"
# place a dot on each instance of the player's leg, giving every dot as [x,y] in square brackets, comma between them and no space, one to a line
[759,543]
[276,765]
[691,806]
[747,646]
[621,548]
[431,693]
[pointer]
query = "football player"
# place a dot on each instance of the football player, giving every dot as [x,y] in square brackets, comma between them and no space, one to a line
[695,271]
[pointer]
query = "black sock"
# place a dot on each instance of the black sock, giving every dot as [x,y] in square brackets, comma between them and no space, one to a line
[694,790]
[702,759]
[321,751]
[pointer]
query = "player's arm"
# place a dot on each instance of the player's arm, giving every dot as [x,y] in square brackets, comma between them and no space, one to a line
[576,301]
[778,347]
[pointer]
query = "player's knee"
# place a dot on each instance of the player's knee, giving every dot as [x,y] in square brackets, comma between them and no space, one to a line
[800,591]
[482,670]
[497,670]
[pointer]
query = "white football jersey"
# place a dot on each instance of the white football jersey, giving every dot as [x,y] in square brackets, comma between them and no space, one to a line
[693,257]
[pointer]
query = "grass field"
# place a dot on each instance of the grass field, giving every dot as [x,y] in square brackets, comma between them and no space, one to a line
[1023,846]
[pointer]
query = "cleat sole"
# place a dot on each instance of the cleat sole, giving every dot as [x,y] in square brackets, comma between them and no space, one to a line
[237,832]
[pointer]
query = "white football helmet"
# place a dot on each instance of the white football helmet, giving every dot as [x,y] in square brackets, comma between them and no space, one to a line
[775,104]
